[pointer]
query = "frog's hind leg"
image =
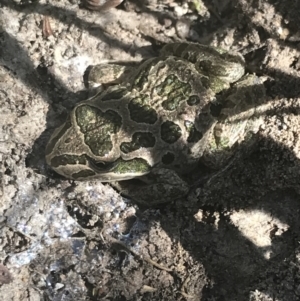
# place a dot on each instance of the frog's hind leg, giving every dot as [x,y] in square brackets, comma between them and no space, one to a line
[98,77]
[106,74]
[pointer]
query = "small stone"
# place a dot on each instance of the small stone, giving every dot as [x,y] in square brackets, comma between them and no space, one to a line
[183,28]
[58,286]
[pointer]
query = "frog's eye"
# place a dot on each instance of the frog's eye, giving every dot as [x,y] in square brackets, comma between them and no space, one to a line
[100,166]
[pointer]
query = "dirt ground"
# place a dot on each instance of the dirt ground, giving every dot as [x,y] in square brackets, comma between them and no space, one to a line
[234,237]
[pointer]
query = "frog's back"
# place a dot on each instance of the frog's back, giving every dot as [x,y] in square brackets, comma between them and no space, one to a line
[165,112]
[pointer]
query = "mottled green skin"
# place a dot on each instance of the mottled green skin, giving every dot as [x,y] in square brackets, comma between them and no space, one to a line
[157,116]
[97,126]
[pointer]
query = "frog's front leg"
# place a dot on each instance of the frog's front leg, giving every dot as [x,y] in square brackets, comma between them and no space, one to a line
[240,118]
[159,187]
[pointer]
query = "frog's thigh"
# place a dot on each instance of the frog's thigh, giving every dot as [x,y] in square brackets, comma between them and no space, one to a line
[161,186]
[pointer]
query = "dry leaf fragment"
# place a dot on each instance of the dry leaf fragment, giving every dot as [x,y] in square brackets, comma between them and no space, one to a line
[47,30]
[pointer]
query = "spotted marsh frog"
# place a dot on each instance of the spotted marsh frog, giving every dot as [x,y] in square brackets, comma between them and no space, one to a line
[157,119]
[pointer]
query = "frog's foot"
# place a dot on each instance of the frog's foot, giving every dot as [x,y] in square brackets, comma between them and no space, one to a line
[97,78]
[159,187]
[107,74]
[101,4]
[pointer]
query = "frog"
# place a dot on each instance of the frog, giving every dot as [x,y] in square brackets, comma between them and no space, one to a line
[153,121]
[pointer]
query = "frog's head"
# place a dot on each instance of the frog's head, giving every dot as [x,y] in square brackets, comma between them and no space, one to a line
[220,66]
